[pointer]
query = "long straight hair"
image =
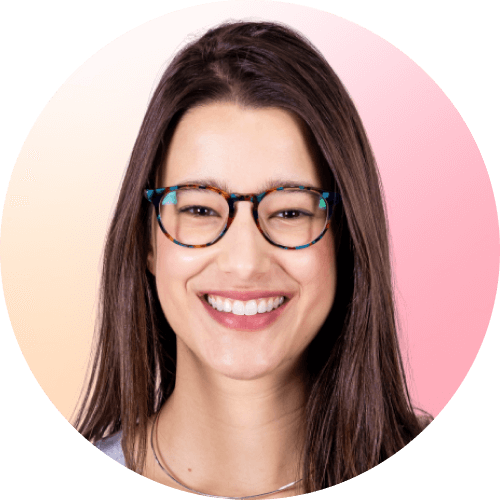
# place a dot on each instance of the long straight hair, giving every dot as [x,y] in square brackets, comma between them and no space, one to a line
[358,411]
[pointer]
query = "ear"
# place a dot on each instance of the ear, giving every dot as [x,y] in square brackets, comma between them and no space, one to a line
[151,263]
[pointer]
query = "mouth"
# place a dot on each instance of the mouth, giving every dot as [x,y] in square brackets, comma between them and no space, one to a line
[245,308]
[249,315]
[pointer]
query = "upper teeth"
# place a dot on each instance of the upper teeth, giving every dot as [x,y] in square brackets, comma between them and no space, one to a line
[245,308]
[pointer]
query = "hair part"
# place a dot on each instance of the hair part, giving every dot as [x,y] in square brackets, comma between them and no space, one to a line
[359,411]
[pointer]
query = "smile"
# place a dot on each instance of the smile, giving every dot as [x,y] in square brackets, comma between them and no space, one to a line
[248,308]
[245,315]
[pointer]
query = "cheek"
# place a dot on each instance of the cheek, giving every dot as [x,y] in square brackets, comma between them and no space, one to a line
[315,269]
[174,268]
[316,274]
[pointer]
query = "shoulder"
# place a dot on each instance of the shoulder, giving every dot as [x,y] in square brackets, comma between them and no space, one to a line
[112,446]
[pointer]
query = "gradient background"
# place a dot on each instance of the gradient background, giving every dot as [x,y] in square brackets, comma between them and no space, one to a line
[441,209]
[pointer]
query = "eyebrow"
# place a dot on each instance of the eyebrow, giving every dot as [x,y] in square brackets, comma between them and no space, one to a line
[269,184]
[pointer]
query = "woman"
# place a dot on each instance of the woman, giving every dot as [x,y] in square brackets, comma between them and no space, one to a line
[247,344]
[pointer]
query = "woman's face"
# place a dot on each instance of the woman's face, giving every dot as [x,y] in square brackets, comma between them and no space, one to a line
[243,149]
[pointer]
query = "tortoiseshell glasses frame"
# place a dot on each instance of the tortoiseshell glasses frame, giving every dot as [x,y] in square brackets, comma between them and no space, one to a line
[155,196]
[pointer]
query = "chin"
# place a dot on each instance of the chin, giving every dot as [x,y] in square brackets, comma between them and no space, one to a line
[248,366]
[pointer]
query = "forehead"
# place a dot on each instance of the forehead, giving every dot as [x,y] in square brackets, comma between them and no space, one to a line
[244,149]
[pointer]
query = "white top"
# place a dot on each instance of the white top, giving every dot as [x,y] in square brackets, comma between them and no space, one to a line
[112,446]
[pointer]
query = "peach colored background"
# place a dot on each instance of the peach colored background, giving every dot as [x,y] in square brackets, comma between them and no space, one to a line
[441,208]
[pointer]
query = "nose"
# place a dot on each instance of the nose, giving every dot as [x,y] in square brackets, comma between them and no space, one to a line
[244,252]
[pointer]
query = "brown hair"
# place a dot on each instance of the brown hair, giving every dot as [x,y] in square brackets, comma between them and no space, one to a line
[358,412]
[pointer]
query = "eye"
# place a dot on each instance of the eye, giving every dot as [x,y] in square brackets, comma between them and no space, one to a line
[291,214]
[199,211]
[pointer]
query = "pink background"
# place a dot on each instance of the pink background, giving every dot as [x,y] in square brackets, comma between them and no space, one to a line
[442,214]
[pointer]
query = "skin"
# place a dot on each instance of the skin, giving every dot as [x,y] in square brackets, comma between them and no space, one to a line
[234,423]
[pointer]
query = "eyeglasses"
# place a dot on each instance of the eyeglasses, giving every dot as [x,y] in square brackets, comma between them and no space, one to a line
[197,216]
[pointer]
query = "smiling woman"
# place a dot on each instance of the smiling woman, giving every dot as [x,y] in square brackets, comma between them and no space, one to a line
[247,341]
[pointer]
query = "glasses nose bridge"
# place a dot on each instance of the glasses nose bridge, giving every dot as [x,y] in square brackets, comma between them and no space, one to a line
[252,198]
[233,198]
[242,197]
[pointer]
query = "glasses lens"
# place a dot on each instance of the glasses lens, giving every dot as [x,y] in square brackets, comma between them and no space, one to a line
[293,217]
[194,216]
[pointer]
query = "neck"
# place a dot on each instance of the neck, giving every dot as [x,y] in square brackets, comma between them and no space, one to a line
[229,437]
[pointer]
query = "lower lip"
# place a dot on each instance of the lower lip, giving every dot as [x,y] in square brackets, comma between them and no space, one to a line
[257,321]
